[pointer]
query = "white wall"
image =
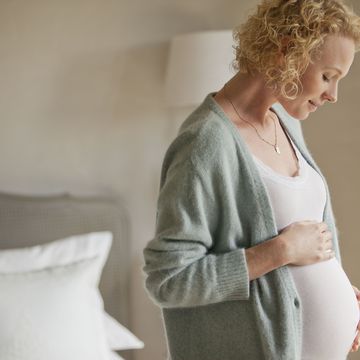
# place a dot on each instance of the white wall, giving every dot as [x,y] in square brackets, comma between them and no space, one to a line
[82,110]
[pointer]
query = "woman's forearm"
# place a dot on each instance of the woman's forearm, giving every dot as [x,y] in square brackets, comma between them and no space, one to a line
[265,257]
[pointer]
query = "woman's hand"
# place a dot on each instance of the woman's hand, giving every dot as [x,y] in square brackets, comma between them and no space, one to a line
[355,345]
[307,242]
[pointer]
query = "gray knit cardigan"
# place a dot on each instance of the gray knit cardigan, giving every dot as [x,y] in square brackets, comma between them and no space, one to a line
[212,205]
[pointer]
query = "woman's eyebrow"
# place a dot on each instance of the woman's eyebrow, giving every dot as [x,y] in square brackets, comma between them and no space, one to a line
[334,68]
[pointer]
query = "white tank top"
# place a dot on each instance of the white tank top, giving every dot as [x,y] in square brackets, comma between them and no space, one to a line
[329,306]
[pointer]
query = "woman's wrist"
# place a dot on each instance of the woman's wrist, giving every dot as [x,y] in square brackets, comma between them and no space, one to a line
[281,247]
[267,256]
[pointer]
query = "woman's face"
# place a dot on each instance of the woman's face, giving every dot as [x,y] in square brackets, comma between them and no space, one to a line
[321,78]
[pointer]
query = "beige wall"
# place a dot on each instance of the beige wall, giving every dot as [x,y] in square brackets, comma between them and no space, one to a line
[81,104]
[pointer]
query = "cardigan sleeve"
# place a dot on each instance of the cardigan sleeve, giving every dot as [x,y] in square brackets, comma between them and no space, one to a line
[181,268]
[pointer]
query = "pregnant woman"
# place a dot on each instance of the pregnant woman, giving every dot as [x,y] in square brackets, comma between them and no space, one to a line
[245,262]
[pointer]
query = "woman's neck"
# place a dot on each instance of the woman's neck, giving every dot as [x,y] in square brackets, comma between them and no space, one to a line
[251,98]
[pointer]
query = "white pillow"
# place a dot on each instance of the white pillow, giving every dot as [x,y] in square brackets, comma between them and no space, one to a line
[52,313]
[115,356]
[118,336]
[77,259]
[57,253]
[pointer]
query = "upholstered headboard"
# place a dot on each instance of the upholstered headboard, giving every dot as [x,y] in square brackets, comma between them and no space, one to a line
[31,220]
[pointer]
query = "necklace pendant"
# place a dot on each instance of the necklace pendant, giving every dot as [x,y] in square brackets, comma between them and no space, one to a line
[277,149]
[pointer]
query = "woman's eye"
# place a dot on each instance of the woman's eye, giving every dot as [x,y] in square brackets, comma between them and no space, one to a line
[325,78]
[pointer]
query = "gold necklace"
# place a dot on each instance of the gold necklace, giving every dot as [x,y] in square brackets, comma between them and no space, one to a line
[275,146]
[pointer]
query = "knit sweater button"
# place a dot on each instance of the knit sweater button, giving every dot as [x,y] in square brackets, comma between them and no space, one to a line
[296,302]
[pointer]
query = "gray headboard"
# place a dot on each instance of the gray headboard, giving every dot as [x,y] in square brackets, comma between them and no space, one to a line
[30,220]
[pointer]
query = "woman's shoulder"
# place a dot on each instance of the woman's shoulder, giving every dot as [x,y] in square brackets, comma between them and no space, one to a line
[204,128]
[203,138]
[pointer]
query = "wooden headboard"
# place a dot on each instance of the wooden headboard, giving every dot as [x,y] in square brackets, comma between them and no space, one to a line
[31,220]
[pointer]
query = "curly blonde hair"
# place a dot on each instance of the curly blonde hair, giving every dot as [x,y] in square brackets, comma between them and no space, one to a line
[297,26]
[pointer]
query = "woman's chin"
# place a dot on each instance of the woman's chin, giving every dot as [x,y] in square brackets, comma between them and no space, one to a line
[298,111]
[299,114]
[304,116]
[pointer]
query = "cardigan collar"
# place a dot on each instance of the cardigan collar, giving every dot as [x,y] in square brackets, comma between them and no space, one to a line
[287,121]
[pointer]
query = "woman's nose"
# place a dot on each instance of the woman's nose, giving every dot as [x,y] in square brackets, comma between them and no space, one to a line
[331,98]
[331,95]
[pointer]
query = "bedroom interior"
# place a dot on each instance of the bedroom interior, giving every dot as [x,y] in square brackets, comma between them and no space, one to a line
[84,126]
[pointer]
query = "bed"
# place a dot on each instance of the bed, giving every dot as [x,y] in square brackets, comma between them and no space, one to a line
[32,220]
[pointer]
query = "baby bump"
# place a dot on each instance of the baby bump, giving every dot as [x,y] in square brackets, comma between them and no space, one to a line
[329,307]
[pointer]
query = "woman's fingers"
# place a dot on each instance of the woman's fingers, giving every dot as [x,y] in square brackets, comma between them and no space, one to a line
[357,292]
[356,342]
[355,345]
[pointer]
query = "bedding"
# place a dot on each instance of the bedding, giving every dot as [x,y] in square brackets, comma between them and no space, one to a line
[115,356]
[52,304]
